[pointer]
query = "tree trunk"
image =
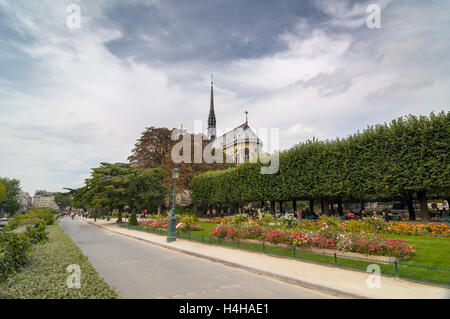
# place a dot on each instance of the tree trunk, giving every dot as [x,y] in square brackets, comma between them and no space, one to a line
[409,204]
[119,215]
[281,207]
[294,205]
[340,208]
[159,209]
[311,205]
[272,207]
[422,197]
[262,205]
[362,204]
[325,207]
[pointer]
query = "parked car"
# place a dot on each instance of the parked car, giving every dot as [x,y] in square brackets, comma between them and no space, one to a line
[3,222]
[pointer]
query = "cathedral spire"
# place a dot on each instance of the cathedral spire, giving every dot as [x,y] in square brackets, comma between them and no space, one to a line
[212,116]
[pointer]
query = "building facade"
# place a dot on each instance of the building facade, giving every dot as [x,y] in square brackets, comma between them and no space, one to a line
[44,199]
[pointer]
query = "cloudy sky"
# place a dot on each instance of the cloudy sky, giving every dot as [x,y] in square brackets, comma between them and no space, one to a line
[71,98]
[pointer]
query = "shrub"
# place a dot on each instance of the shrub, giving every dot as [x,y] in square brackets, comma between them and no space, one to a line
[155,224]
[239,219]
[378,246]
[223,231]
[276,236]
[35,216]
[133,219]
[36,234]
[46,215]
[250,232]
[311,240]
[13,253]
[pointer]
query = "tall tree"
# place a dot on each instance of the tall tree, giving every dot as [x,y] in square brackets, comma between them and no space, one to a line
[154,149]
[146,189]
[108,186]
[63,200]
[11,203]
[151,148]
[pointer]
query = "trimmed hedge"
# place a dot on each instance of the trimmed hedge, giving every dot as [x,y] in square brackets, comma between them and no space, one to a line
[46,276]
[384,162]
[133,219]
[34,216]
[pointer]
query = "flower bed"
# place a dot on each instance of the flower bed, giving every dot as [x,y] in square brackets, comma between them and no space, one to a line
[430,229]
[366,245]
[163,224]
[156,224]
[311,240]
[378,246]
[365,226]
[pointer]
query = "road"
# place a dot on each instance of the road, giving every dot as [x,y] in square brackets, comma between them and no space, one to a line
[141,270]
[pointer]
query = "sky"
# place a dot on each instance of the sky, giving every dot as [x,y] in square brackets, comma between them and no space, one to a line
[71,98]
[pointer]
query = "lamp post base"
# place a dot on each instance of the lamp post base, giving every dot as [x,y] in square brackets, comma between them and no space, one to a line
[172,235]
[171,239]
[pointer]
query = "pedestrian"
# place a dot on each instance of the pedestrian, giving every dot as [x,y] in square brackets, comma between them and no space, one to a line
[126,216]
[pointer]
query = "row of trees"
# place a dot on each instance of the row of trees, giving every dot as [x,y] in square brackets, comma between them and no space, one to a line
[407,159]
[9,192]
[117,186]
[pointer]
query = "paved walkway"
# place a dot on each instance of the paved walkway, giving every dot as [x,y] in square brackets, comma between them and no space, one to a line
[326,278]
[140,270]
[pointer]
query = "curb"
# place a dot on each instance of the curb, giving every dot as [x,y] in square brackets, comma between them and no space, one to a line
[287,279]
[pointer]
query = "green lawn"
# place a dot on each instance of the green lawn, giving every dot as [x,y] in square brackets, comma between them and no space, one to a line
[46,275]
[206,227]
[430,251]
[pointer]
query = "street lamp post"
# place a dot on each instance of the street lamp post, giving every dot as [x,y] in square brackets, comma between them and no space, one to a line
[171,236]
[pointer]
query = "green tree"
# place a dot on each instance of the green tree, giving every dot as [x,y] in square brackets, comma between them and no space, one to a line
[2,193]
[10,204]
[133,219]
[108,186]
[63,200]
[146,189]
[115,186]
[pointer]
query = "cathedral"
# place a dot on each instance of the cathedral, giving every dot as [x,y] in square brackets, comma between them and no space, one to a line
[240,144]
